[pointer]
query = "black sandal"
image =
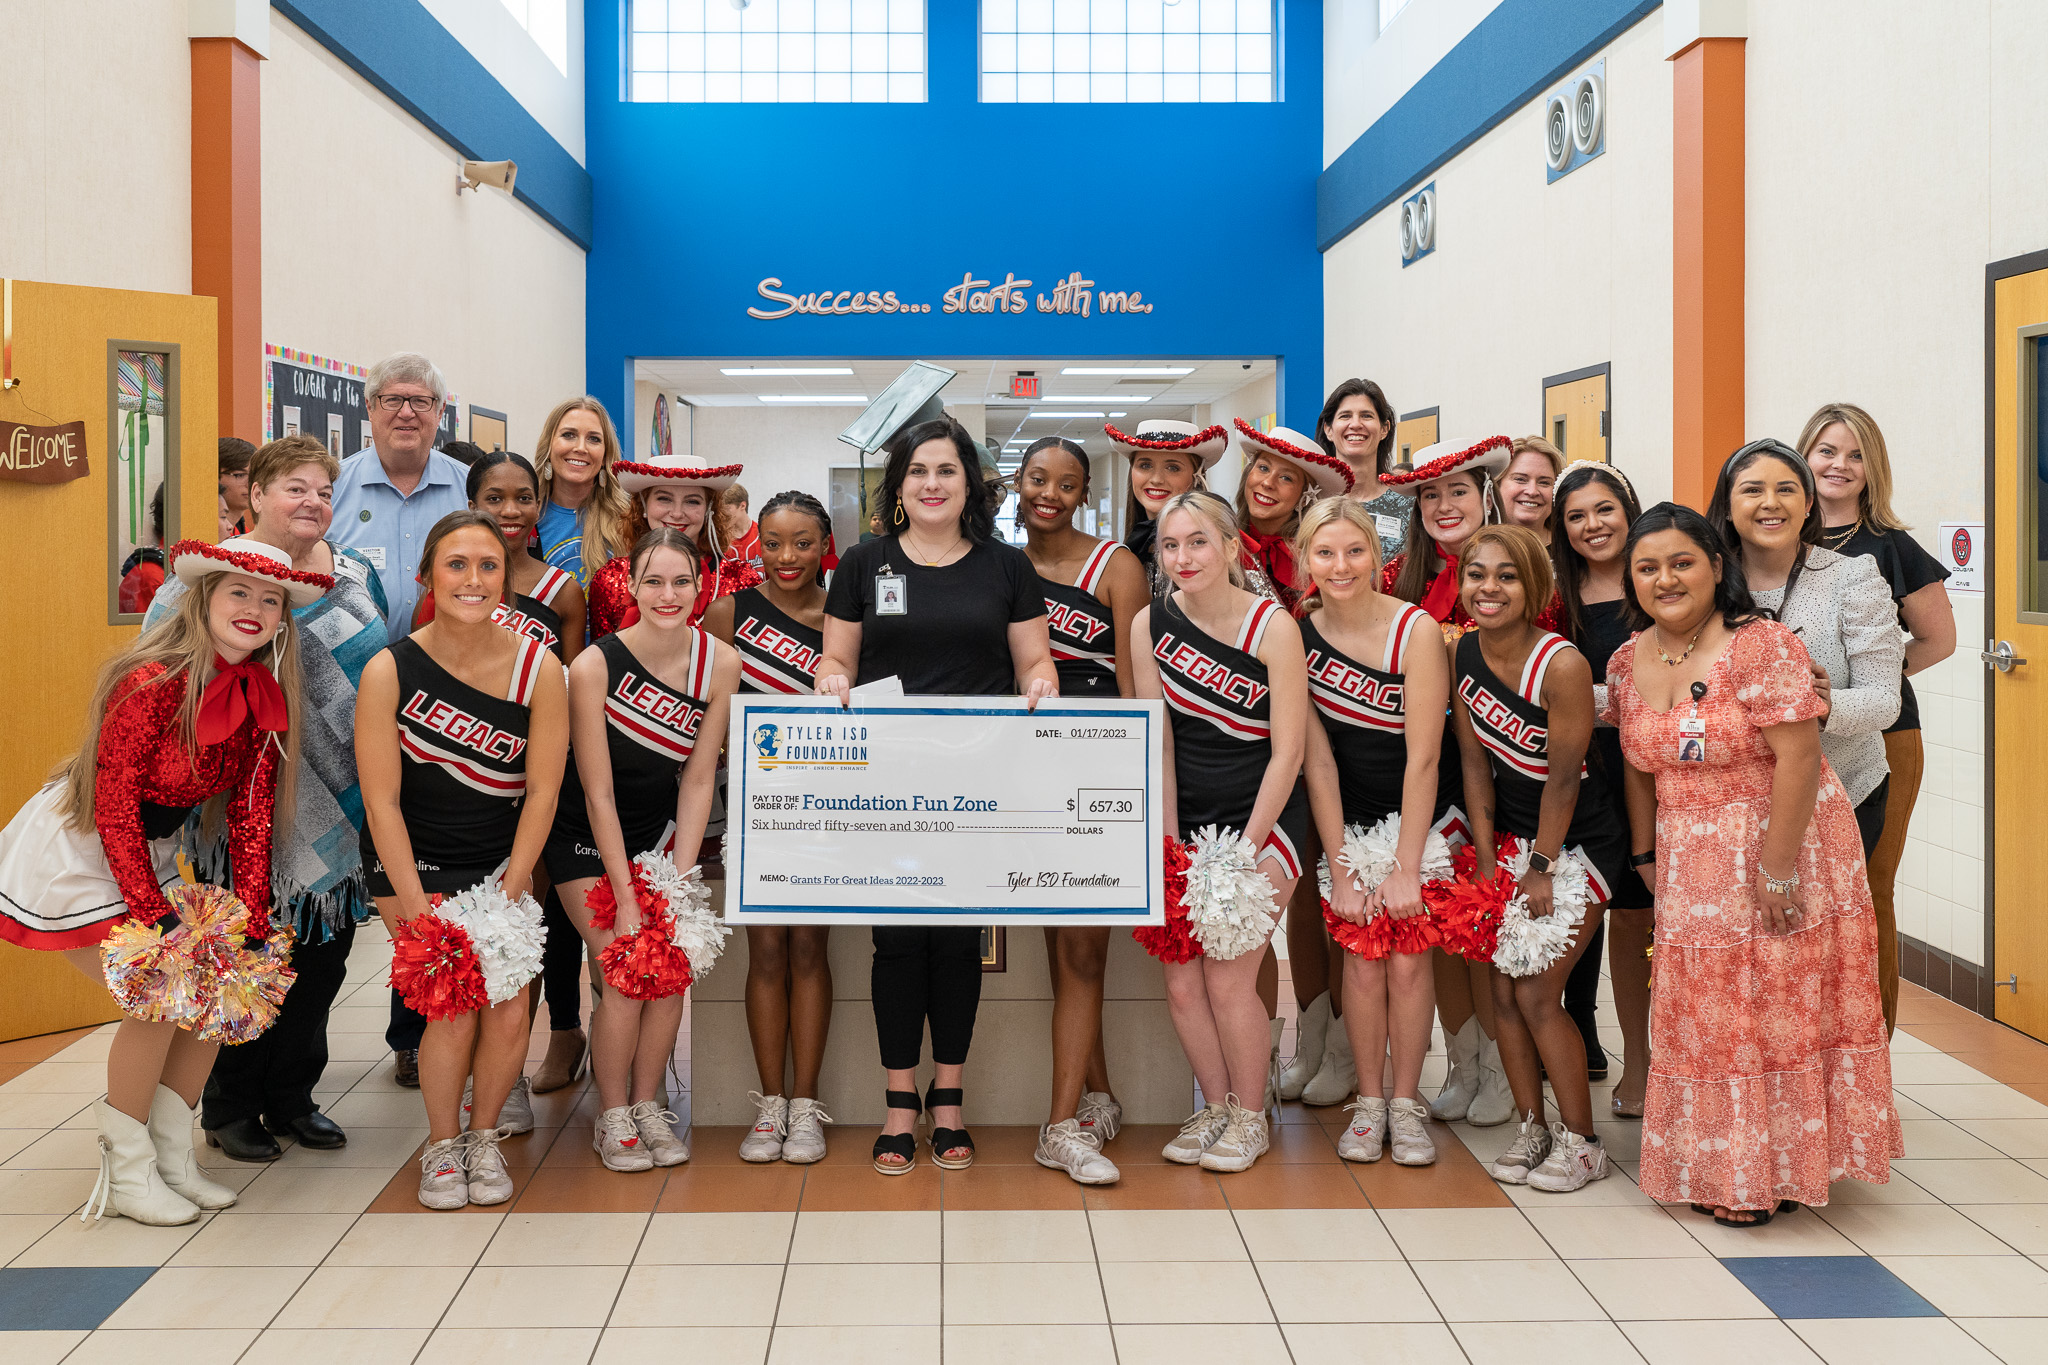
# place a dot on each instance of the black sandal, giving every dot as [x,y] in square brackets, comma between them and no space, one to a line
[946,1139]
[898,1144]
[1757,1217]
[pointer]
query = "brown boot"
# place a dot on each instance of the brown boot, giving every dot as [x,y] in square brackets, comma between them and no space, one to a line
[567,1049]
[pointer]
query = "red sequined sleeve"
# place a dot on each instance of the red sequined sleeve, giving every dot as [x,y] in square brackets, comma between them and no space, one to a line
[1391,574]
[611,608]
[723,580]
[141,721]
[252,803]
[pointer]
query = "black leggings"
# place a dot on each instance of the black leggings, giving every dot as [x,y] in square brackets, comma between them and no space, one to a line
[561,965]
[1870,816]
[925,974]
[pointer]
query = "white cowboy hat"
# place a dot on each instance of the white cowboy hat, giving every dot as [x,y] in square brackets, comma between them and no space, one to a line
[1205,444]
[1490,456]
[193,560]
[675,471]
[1331,476]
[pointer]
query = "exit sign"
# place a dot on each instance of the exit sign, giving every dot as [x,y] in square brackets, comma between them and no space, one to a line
[1024,386]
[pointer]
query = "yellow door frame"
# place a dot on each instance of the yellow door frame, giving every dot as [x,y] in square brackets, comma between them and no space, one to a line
[1604,372]
[1435,427]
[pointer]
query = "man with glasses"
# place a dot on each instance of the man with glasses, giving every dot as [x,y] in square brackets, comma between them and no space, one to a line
[390,495]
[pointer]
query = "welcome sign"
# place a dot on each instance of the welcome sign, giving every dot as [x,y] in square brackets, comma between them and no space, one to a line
[32,454]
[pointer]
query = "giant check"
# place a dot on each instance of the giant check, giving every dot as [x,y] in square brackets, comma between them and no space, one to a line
[943,810]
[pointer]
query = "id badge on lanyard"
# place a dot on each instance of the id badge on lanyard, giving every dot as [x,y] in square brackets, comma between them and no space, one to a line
[892,596]
[1692,729]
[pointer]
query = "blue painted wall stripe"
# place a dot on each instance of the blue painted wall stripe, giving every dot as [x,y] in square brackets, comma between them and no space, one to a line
[397,46]
[1512,56]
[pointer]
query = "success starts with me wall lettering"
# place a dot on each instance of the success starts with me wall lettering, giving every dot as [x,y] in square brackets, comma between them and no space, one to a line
[1073,295]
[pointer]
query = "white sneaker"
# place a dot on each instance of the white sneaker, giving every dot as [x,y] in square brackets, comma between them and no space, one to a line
[617,1140]
[1101,1115]
[1495,1102]
[1197,1135]
[1368,1131]
[764,1141]
[1311,1029]
[805,1142]
[1244,1140]
[444,1176]
[515,1117]
[1063,1146]
[658,1134]
[1408,1124]
[1462,1083]
[1531,1146]
[1574,1162]
[489,1181]
[1337,1076]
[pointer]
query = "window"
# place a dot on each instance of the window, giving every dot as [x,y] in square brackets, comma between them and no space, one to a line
[547,23]
[1127,51]
[776,51]
[1388,9]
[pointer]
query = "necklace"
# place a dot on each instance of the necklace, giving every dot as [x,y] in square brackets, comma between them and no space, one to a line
[1658,642]
[1835,540]
[931,561]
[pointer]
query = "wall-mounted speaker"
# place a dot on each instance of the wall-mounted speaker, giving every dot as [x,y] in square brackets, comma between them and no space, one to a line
[1575,121]
[1418,225]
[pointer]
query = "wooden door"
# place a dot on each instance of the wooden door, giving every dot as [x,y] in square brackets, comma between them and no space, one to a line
[1415,431]
[2018,712]
[1575,413]
[486,428]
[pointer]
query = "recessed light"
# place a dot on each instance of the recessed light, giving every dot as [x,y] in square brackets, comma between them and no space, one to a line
[1128,369]
[1098,398]
[764,371]
[1059,416]
[813,398]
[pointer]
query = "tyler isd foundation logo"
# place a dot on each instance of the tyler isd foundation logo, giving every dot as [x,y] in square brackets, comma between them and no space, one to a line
[766,740]
[842,744]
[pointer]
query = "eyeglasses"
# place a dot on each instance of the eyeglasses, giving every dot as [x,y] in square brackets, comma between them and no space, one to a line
[421,403]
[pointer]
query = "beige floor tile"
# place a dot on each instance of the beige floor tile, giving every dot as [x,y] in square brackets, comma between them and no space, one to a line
[41,1111]
[2023,1227]
[1909,1108]
[343,1072]
[1655,1290]
[716,1239]
[265,1239]
[1315,1235]
[1039,1236]
[20,1231]
[699,1296]
[992,1294]
[1601,1233]
[384,1148]
[1976,1286]
[93,1047]
[424,1239]
[1890,1341]
[14,1141]
[566,1239]
[302,1190]
[1035,1344]
[1369,1343]
[536,1296]
[2016,1341]
[1970,1101]
[353,1018]
[1908,1230]
[60,1149]
[885,1345]
[340,1345]
[1342,1291]
[1935,1068]
[1465,1234]
[852,1238]
[44,1191]
[1238,1343]
[1941,1140]
[2000,1180]
[209,1297]
[86,1079]
[378,1109]
[869,1295]
[1798,1233]
[197,1346]
[669,1345]
[1545,1343]
[1508,1291]
[1694,1342]
[359,1047]
[494,1345]
[1897,1190]
[1166,1235]
[2014,1137]
[108,1241]
[373,1296]
[1618,1190]
[41,1348]
[1185,1292]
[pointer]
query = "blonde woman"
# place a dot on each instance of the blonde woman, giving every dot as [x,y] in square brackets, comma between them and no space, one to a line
[583,509]
[1853,476]
[1529,487]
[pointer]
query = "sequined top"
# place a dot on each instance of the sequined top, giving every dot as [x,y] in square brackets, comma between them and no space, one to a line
[147,778]
[612,608]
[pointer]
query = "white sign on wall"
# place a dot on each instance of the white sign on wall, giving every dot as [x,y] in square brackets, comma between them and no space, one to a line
[1962,552]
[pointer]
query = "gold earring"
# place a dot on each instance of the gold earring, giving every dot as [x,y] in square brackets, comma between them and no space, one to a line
[899,512]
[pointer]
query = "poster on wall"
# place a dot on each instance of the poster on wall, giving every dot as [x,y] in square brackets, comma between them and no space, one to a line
[664,435]
[1962,549]
[323,398]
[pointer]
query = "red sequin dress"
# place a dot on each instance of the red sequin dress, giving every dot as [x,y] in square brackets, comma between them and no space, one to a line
[611,592]
[63,888]
[1770,1075]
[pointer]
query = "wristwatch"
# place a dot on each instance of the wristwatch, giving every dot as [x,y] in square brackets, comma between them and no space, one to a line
[1539,862]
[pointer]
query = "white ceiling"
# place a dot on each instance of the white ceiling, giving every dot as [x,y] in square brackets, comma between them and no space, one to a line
[981,381]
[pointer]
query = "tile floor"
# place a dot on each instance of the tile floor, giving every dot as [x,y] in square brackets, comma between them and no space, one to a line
[328,1257]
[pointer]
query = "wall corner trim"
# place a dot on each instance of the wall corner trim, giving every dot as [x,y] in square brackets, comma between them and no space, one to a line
[1686,22]
[245,21]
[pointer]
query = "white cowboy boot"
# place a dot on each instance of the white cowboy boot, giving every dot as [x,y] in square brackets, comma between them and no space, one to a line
[170,1130]
[1310,1030]
[1495,1102]
[1452,1102]
[1336,1080]
[129,1182]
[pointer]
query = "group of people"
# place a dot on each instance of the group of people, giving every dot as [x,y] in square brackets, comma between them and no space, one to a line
[411,675]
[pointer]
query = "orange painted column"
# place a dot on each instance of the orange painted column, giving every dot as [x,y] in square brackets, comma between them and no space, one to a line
[1707,249]
[227,220]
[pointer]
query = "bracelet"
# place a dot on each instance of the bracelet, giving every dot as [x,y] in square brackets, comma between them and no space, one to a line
[1643,859]
[1776,887]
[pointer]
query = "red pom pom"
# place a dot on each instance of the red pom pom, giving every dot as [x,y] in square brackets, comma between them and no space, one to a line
[1383,935]
[603,905]
[645,964]
[1172,941]
[1467,910]
[434,968]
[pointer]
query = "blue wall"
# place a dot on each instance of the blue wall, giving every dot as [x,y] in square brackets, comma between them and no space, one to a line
[697,203]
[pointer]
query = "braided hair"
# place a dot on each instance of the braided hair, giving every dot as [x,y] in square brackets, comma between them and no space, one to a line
[799,501]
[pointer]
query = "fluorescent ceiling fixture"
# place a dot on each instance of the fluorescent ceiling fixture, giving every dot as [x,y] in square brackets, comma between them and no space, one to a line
[1127,369]
[1099,397]
[1060,416]
[814,398]
[1119,414]
[787,369]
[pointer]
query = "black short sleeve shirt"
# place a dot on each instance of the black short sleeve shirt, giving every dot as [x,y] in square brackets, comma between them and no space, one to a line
[951,636]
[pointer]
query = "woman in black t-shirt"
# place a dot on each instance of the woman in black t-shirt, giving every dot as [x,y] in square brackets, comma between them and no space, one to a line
[1854,478]
[949,610]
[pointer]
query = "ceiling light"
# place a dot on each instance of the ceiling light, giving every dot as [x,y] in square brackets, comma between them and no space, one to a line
[1119,414]
[1059,416]
[1128,369]
[1098,398]
[813,398]
[765,370]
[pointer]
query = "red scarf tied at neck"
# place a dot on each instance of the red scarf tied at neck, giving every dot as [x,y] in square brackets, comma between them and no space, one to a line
[1274,557]
[239,692]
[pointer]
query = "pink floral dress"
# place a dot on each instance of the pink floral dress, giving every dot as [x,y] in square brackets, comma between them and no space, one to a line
[1770,1076]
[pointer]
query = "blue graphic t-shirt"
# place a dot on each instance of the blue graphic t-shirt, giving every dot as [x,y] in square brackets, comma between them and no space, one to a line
[561,540]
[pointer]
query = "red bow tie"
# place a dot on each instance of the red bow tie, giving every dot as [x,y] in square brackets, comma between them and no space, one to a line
[238,692]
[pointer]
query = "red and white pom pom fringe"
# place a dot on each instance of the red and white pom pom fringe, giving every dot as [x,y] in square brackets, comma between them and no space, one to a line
[1172,941]
[1230,902]
[1528,946]
[679,937]
[1370,856]
[434,968]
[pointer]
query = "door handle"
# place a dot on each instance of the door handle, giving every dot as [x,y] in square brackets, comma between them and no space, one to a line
[1999,655]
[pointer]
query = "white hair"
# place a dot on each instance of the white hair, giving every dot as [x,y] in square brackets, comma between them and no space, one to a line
[406,367]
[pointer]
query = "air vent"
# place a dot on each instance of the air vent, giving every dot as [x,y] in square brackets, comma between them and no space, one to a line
[1575,121]
[1418,225]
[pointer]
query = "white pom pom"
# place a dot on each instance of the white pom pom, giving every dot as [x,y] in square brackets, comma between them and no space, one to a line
[1526,946]
[1371,855]
[508,935]
[1229,901]
[693,927]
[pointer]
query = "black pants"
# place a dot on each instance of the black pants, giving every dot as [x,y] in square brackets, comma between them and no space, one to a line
[1582,990]
[273,1076]
[925,975]
[1870,816]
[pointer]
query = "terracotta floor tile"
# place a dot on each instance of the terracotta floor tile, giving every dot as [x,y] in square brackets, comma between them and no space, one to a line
[2012,1066]
[593,1191]
[1008,1187]
[855,1188]
[2035,1092]
[531,1150]
[717,1147]
[711,1189]
[26,1052]
[1004,1146]
[1456,1181]
[1292,1111]
[1141,1144]
[1976,1036]
[1158,1187]
[1302,1144]
[1279,1185]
